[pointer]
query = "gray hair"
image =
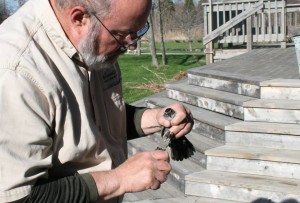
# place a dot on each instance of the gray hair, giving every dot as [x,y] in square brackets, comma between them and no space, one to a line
[100,7]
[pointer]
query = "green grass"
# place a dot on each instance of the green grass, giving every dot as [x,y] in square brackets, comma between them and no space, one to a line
[137,71]
[172,46]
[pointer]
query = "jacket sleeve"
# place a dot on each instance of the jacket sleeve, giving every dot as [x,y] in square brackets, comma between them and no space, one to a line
[133,117]
[25,135]
[77,188]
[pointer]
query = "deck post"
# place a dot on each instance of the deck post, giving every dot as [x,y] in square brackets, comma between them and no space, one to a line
[283,24]
[249,33]
[209,53]
[209,57]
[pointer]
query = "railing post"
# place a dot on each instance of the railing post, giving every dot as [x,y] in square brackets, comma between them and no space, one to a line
[283,24]
[209,46]
[249,33]
[296,40]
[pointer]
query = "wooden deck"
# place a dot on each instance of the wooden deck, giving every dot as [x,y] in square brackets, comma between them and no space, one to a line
[260,65]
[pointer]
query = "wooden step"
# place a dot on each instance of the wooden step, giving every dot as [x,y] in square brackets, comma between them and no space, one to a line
[263,134]
[179,168]
[288,89]
[184,199]
[228,82]
[207,123]
[242,187]
[214,100]
[166,191]
[255,160]
[267,110]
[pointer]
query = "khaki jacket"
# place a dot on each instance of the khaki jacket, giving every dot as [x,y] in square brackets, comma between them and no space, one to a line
[56,118]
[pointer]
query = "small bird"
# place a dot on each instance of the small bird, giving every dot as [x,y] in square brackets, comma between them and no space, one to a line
[181,148]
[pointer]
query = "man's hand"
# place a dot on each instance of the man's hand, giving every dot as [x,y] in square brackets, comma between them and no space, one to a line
[145,170]
[180,125]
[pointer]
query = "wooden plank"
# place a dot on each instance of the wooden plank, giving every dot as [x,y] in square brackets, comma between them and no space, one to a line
[276,19]
[283,24]
[269,20]
[236,28]
[256,26]
[210,17]
[244,26]
[230,17]
[263,24]
[209,46]
[234,1]
[218,16]
[249,33]
[261,38]
[224,18]
[234,21]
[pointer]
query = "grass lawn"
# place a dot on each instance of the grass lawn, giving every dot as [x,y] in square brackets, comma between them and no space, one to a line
[174,47]
[140,79]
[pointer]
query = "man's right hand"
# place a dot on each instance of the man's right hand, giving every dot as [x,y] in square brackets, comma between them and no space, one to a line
[145,170]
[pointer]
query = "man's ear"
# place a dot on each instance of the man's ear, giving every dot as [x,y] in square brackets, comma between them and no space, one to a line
[78,16]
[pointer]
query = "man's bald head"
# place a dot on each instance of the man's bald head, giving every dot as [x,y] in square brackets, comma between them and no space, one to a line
[104,7]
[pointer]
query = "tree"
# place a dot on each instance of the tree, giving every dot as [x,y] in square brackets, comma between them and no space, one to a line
[189,5]
[165,9]
[190,14]
[152,41]
[163,50]
[189,19]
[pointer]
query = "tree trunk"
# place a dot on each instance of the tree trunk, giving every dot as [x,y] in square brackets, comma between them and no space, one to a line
[163,50]
[139,44]
[191,45]
[152,43]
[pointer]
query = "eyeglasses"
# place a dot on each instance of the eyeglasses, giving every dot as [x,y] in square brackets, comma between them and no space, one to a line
[124,47]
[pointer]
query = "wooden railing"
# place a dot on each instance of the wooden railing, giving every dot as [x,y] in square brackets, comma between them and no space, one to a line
[232,22]
[268,24]
[293,20]
[249,21]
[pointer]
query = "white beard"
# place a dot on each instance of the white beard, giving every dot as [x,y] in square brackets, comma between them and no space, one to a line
[87,49]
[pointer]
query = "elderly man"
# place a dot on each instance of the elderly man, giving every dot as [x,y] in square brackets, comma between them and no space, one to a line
[64,124]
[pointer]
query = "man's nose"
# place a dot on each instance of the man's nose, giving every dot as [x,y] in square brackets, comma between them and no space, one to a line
[131,41]
[132,46]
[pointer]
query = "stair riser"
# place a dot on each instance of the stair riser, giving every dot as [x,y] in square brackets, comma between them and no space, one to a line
[235,193]
[256,167]
[272,115]
[207,103]
[225,85]
[286,93]
[209,131]
[278,141]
